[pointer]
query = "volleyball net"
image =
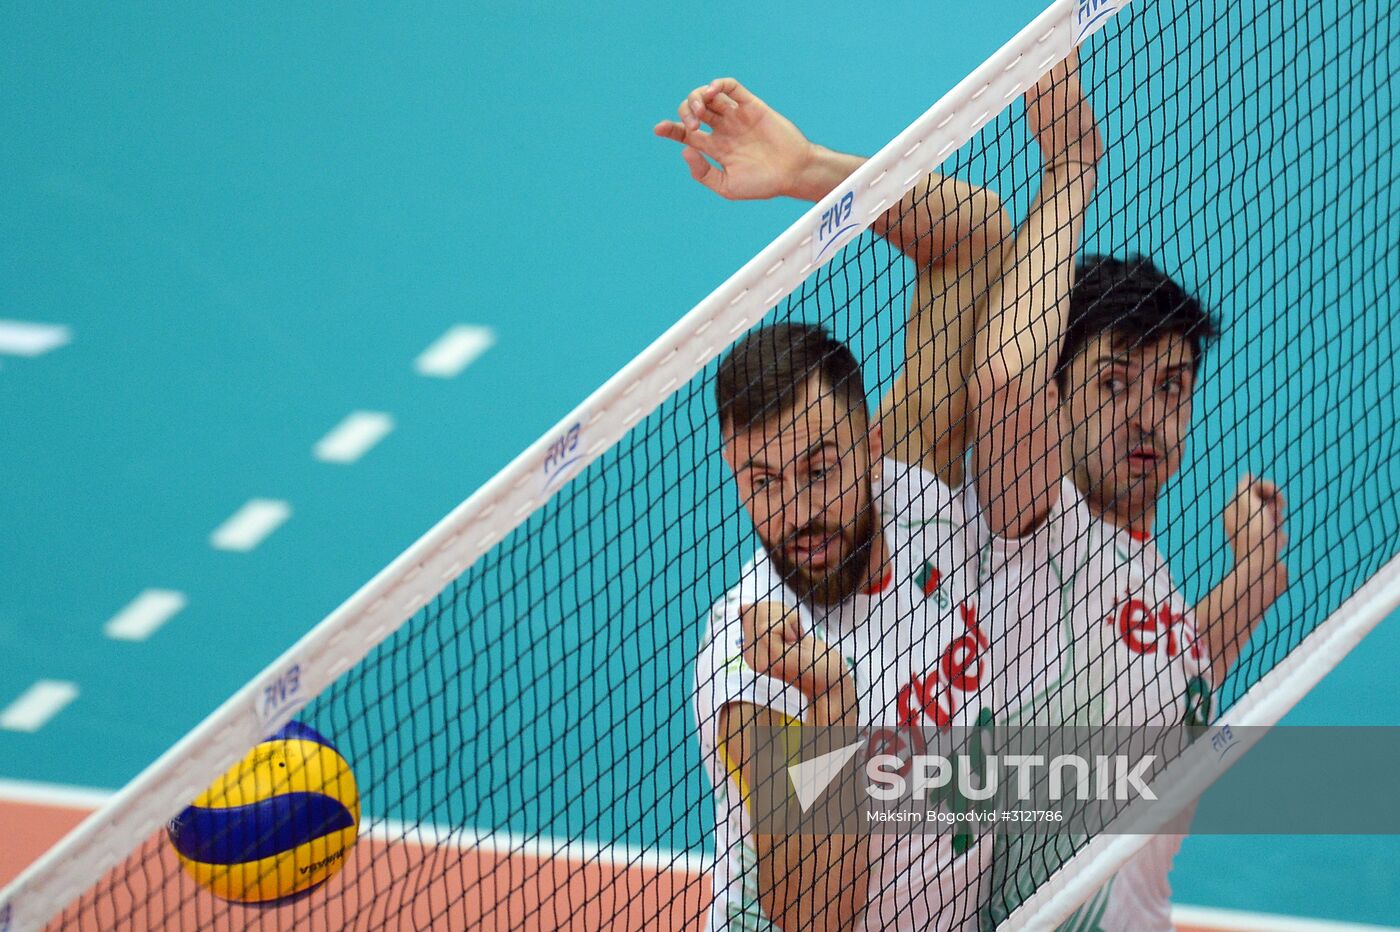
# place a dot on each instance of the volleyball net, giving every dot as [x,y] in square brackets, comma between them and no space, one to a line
[516,694]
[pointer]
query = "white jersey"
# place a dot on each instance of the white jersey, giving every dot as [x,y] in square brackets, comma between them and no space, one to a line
[1088,629]
[895,638]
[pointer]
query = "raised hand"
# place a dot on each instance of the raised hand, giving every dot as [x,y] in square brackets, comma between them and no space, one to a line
[1253,521]
[1059,117]
[776,645]
[760,152]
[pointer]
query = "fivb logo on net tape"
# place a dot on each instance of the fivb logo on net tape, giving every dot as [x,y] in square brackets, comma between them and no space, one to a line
[562,457]
[280,698]
[836,225]
[1091,15]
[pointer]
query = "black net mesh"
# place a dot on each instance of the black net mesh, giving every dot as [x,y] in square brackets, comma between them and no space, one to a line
[525,750]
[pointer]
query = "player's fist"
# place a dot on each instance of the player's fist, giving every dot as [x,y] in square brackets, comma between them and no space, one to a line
[776,645]
[760,152]
[1254,525]
[1058,115]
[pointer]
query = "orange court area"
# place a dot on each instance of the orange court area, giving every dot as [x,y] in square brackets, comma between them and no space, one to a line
[387,885]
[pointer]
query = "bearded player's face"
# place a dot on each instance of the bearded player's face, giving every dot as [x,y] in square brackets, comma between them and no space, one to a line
[806,477]
[1125,415]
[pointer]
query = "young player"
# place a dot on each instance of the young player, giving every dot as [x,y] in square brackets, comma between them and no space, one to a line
[858,609]
[1095,631]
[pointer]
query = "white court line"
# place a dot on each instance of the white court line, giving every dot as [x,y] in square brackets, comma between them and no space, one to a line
[144,614]
[454,351]
[250,525]
[1229,920]
[23,338]
[540,847]
[37,704]
[353,437]
[427,834]
[60,795]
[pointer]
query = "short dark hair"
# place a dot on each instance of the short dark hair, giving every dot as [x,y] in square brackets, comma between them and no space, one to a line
[764,373]
[1134,301]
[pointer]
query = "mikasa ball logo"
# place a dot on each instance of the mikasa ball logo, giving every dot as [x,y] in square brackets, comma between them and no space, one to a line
[324,862]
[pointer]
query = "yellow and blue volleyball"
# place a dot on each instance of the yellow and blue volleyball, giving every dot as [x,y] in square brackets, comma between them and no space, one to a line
[279,823]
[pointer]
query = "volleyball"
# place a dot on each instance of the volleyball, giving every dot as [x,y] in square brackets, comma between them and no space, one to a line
[277,824]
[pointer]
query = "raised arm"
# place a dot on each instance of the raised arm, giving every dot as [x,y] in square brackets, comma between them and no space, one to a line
[1230,612]
[806,881]
[1011,394]
[761,154]
[923,417]
[953,232]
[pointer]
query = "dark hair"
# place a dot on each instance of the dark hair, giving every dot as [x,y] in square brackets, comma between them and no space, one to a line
[764,373]
[1134,301]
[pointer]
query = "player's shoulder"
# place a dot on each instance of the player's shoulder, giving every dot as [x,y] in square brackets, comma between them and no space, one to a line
[723,609]
[910,493]
[721,646]
[1065,530]
[1070,517]
[1069,502]
[722,676]
[758,582]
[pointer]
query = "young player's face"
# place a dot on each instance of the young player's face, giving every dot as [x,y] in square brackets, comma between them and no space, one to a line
[806,478]
[1125,415]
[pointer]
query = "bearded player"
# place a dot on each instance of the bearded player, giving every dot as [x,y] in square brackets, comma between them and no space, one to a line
[859,609]
[1068,546]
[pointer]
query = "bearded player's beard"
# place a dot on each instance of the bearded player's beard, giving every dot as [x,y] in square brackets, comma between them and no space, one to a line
[834,584]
